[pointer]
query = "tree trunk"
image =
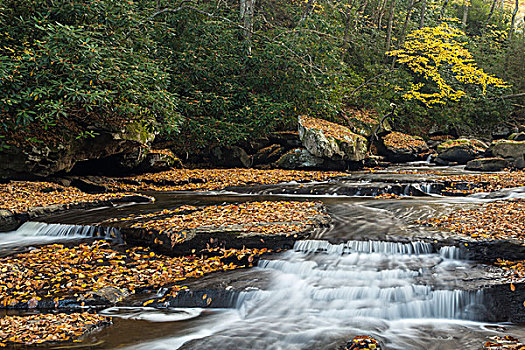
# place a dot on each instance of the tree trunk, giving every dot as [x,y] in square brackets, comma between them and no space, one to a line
[465,13]
[390,24]
[491,12]
[513,19]
[422,14]
[442,12]
[346,38]
[246,14]
[405,24]
[380,14]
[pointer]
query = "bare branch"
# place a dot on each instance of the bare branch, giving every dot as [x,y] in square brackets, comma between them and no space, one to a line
[308,61]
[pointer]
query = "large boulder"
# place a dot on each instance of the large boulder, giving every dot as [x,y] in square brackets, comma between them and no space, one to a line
[513,151]
[508,148]
[230,157]
[332,141]
[487,164]
[460,151]
[399,147]
[300,159]
[125,145]
[503,131]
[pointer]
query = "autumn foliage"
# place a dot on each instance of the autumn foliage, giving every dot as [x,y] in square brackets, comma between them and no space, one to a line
[487,182]
[47,328]
[55,272]
[263,218]
[21,196]
[213,179]
[435,53]
[495,220]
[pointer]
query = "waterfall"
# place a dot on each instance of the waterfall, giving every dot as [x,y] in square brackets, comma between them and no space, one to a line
[32,229]
[373,279]
[315,246]
[450,252]
[31,233]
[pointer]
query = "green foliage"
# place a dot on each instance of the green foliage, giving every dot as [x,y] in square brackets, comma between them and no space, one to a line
[79,63]
[81,66]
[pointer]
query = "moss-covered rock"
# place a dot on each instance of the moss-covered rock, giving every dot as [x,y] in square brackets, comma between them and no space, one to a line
[124,145]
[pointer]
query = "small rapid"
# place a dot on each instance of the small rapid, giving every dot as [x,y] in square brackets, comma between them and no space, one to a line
[322,293]
[32,233]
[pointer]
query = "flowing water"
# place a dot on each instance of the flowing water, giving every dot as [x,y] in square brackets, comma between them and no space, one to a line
[367,274]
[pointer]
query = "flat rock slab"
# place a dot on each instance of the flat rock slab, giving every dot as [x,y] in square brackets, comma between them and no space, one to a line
[186,229]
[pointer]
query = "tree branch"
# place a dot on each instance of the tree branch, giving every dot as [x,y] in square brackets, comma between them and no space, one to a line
[308,62]
[508,96]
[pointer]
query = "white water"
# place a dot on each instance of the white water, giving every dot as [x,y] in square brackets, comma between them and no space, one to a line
[31,233]
[322,293]
[152,314]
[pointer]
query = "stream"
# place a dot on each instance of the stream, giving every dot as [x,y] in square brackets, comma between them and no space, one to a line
[369,273]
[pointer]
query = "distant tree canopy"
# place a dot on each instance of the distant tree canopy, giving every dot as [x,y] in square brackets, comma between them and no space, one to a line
[222,72]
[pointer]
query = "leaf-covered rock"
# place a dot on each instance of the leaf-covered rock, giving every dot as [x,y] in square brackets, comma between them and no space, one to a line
[328,140]
[31,330]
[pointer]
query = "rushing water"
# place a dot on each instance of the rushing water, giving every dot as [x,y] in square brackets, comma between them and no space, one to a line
[321,294]
[38,233]
[351,279]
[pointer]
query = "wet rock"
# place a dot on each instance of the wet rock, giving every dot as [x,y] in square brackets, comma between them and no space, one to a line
[230,157]
[181,240]
[363,342]
[460,151]
[399,147]
[300,158]
[287,139]
[268,154]
[503,131]
[512,151]
[517,136]
[324,139]
[111,294]
[46,160]
[504,304]
[10,221]
[487,164]
[508,149]
[159,160]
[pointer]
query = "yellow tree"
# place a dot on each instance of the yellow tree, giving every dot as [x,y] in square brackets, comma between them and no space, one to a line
[439,57]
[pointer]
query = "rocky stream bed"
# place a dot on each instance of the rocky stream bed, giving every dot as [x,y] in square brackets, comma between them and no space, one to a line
[269,265]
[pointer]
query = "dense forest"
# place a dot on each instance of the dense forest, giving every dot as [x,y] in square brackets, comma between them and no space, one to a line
[220,72]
